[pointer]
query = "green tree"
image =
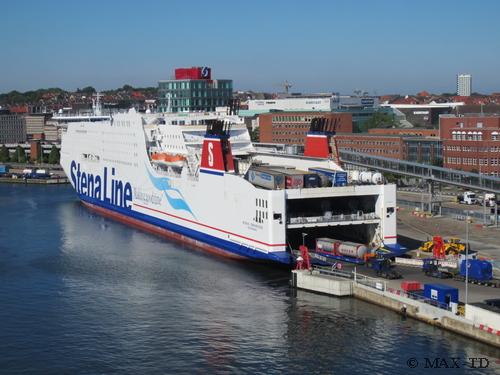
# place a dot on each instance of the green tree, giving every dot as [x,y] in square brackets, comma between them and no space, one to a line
[379,120]
[88,90]
[54,155]
[4,154]
[255,134]
[390,177]
[19,155]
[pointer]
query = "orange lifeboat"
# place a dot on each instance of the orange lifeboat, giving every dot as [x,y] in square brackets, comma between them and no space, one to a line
[170,160]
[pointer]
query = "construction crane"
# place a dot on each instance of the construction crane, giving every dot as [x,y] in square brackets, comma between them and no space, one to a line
[287,85]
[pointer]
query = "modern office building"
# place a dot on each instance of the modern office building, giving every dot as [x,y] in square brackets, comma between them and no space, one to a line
[424,150]
[291,104]
[464,84]
[361,109]
[35,125]
[193,89]
[316,102]
[471,142]
[291,127]
[52,132]
[12,129]
[423,115]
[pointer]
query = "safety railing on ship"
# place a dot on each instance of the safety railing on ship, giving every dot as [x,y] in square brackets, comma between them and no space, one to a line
[332,218]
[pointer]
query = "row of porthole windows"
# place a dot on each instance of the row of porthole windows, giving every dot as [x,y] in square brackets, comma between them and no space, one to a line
[123,124]
[118,161]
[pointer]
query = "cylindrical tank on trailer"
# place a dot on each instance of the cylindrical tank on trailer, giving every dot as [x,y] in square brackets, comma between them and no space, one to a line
[352,249]
[326,244]
[345,248]
[377,178]
[354,176]
[365,177]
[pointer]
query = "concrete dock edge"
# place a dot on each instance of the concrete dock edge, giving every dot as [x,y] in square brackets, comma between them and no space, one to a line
[377,294]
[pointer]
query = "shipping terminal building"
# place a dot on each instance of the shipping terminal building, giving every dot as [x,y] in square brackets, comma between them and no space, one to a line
[193,90]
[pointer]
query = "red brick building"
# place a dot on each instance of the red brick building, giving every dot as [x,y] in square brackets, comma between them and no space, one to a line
[389,146]
[413,146]
[418,132]
[292,127]
[471,142]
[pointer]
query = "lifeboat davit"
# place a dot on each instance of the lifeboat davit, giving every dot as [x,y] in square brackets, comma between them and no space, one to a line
[170,160]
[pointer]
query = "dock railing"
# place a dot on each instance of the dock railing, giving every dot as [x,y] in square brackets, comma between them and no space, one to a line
[370,282]
[334,272]
[419,297]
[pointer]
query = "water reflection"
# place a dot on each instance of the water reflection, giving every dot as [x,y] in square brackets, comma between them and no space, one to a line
[84,294]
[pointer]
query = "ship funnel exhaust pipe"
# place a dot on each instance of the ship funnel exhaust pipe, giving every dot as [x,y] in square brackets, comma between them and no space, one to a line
[319,140]
[216,154]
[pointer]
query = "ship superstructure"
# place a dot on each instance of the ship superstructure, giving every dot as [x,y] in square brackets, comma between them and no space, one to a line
[197,178]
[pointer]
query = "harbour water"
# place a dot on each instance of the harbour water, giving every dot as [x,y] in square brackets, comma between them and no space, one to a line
[82,294]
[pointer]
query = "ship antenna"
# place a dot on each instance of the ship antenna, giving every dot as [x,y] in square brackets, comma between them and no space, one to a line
[96,105]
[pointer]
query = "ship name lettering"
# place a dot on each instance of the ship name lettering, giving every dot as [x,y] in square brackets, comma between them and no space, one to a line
[106,189]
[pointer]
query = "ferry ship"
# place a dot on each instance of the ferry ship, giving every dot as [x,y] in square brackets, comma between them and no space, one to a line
[197,178]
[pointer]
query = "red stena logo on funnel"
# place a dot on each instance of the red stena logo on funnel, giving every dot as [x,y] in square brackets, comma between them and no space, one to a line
[211,155]
[213,159]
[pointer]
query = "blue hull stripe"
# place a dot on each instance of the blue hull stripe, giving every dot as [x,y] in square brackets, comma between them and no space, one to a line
[208,171]
[239,249]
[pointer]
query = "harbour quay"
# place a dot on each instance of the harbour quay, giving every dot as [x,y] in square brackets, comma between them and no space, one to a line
[476,320]
[39,174]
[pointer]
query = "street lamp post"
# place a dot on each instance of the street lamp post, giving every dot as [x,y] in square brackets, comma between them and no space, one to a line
[466,258]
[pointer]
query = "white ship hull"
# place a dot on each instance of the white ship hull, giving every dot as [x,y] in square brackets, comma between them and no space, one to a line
[109,166]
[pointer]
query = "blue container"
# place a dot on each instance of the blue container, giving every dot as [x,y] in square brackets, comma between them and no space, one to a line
[480,270]
[337,178]
[311,180]
[340,178]
[441,293]
[4,169]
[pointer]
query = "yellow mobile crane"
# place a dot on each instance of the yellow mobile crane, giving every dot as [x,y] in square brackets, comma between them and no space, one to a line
[452,246]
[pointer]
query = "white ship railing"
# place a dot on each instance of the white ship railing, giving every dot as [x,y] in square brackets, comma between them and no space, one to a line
[332,218]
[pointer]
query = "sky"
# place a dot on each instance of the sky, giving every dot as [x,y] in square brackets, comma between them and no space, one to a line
[381,46]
